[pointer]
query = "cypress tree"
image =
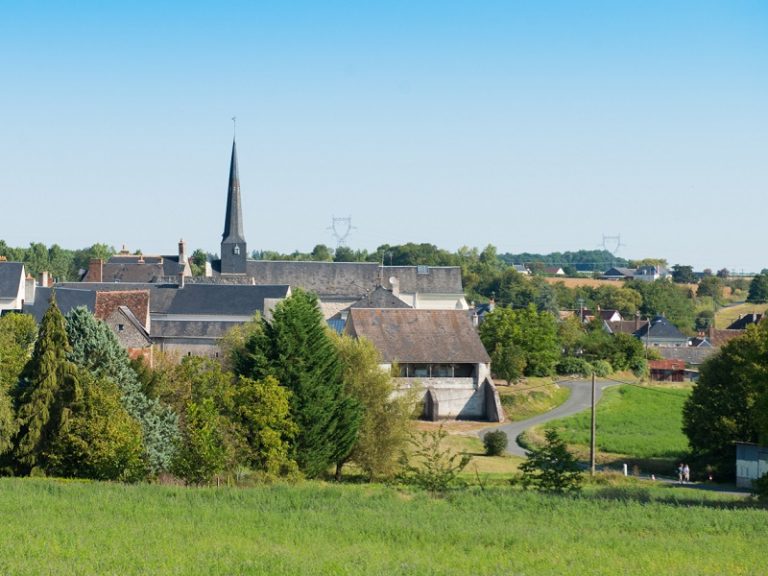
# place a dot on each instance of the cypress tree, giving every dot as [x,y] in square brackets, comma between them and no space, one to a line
[96,349]
[296,348]
[49,384]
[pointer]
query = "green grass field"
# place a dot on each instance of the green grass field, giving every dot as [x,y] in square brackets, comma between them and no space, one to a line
[640,421]
[52,527]
[725,316]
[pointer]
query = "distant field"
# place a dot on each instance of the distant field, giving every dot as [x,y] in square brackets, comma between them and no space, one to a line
[51,527]
[638,421]
[576,282]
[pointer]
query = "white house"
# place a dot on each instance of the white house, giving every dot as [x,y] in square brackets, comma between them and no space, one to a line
[12,286]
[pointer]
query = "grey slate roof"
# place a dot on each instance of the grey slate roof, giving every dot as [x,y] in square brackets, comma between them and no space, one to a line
[351,279]
[380,298]
[197,299]
[66,299]
[744,321]
[419,336]
[660,329]
[11,276]
[233,219]
[207,329]
[689,354]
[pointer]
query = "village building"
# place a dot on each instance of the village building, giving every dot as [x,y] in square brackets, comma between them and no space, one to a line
[437,351]
[12,286]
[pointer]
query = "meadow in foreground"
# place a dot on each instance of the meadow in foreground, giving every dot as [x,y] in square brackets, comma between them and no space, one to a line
[56,527]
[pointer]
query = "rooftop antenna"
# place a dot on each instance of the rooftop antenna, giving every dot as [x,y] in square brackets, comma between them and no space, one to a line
[341,228]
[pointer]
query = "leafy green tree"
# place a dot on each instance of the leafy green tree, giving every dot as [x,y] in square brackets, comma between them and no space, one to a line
[49,385]
[758,289]
[665,298]
[710,286]
[730,400]
[495,442]
[203,454]
[296,348]
[98,440]
[551,468]
[17,336]
[508,361]
[383,430]
[535,333]
[263,415]
[322,253]
[197,262]
[682,274]
[95,348]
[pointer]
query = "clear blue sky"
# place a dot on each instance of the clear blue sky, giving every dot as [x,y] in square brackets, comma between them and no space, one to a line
[531,125]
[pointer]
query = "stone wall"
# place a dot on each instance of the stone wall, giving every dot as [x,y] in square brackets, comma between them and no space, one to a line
[458,398]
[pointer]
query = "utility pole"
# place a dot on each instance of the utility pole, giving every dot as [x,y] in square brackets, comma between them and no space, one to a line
[592,435]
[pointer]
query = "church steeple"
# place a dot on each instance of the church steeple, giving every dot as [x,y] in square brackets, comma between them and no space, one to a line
[233,247]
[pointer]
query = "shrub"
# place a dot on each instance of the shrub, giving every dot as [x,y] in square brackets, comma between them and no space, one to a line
[602,368]
[495,442]
[551,468]
[433,468]
[761,487]
[573,365]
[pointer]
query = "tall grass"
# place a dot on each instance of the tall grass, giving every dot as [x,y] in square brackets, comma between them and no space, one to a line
[50,527]
[644,422]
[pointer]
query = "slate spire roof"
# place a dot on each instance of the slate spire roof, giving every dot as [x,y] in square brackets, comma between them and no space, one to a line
[233,222]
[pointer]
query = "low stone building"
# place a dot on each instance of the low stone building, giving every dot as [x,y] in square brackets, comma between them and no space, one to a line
[437,350]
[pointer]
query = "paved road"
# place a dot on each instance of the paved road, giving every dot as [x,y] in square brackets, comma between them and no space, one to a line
[579,400]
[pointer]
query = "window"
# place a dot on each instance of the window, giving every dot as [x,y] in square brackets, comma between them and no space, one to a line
[236,250]
[120,327]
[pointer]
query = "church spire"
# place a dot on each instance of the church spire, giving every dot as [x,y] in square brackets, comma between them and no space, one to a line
[233,248]
[233,222]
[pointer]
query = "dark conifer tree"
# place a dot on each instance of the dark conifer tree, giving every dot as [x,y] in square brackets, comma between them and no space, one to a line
[296,348]
[49,384]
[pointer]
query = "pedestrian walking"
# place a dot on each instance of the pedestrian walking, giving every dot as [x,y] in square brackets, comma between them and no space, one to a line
[680,473]
[686,473]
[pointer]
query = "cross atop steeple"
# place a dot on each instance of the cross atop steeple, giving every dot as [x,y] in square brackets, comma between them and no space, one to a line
[233,247]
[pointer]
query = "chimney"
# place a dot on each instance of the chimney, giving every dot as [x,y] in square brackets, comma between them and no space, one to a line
[182,251]
[30,287]
[395,286]
[95,270]
[181,279]
[44,279]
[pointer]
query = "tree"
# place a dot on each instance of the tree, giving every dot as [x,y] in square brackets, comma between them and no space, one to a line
[197,262]
[710,286]
[535,333]
[551,468]
[262,413]
[665,298]
[99,440]
[730,400]
[17,335]
[758,289]
[430,465]
[383,430]
[682,274]
[202,454]
[296,348]
[49,385]
[508,361]
[95,348]
[723,273]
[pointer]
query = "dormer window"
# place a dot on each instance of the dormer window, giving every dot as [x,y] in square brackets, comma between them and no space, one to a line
[236,250]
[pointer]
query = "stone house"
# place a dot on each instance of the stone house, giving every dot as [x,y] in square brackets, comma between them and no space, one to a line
[437,350]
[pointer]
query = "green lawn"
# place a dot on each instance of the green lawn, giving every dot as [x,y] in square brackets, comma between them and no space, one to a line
[639,421]
[51,527]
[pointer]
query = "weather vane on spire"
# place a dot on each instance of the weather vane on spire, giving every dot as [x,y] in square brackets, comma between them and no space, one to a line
[234,126]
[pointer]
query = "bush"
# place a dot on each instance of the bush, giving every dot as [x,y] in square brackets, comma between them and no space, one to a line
[602,368]
[573,365]
[551,468]
[761,487]
[495,442]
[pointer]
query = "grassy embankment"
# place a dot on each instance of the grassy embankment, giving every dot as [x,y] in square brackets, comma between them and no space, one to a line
[726,316]
[639,425]
[52,527]
[520,401]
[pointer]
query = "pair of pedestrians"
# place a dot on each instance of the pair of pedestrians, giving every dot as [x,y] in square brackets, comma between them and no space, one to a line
[683,473]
